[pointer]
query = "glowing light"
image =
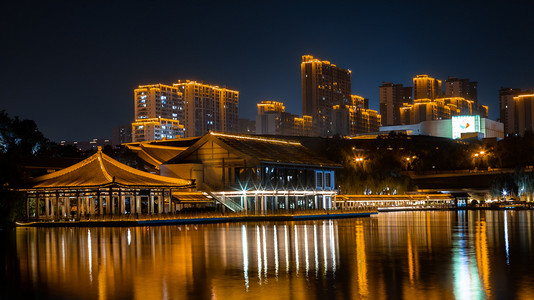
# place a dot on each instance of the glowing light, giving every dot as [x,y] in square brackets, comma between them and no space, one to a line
[245,254]
[506,242]
[255,138]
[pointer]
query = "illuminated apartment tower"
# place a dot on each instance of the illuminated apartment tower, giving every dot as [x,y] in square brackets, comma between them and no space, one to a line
[426,87]
[524,113]
[323,86]
[273,119]
[159,113]
[156,129]
[392,98]
[208,107]
[158,101]
[464,88]
[507,108]
[350,120]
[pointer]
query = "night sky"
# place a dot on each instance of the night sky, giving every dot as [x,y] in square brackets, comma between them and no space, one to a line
[72,65]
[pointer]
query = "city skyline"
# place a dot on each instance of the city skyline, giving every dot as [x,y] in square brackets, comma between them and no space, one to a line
[72,67]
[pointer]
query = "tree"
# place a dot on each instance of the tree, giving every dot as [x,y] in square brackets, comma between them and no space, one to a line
[20,140]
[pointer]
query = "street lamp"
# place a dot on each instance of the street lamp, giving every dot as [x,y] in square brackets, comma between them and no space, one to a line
[504,193]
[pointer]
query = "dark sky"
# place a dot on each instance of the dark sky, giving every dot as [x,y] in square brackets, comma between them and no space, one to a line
[72,65]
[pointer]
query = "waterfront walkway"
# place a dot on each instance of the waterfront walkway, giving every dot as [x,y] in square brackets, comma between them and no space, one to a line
[199,218]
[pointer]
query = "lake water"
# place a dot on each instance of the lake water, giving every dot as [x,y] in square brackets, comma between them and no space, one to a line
[393,255]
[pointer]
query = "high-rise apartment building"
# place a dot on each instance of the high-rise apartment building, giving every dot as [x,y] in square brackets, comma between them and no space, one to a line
[455,87]
[350,120]
[524,113]
[157,107]
[439,109]
[508,109]
[323,86]
[156,129]
[273,119]
[158,101]
[425,110]
[426,87]
[208,107]
[392,98]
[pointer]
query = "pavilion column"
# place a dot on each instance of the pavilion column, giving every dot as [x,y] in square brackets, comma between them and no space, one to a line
[275,205]
[47,208]
[59,212]
[112,202]
[37,207]
[171,210]
[161,202]
[255,202]
[315,202]
[101,204]
[67,207]
[92,205]
[324,202]
[151,204]
[138,204]
[287,202]
[223,201]
[78,205]
[244,200]
[296,201]
[53,205]
[122,203]
[132,203]
[82,206]
[110,205]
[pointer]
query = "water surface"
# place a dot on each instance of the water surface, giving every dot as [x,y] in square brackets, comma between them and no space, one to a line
[395,255]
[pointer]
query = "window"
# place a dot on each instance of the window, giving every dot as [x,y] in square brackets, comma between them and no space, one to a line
[328,179]
[319,179]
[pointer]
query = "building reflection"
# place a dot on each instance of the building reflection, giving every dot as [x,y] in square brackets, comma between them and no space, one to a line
[434,255]
[170,262]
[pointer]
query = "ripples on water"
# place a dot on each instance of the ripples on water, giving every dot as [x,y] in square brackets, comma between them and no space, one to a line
[410,255]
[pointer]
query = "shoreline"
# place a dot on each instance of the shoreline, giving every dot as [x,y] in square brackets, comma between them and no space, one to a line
[198,220]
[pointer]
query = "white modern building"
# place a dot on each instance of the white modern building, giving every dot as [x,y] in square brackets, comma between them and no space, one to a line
[458,127]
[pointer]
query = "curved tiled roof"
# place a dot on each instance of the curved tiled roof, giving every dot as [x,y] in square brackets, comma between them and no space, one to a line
[102,170]
[264,149]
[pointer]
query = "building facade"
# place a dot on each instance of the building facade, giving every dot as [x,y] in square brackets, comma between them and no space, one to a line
[425,87]
[392,98]
[323,86]
[156,129]
[208,107]
[158,101]
[508,110]
[524,114]
[440,108]
[272,119]
[350,120]
[251,173]
[457,127]
[455,87]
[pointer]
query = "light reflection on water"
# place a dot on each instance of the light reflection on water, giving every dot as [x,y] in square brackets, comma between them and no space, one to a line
[434,255]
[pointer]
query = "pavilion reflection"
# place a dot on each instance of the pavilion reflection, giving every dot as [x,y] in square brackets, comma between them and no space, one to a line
[433,255]
[169,262]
